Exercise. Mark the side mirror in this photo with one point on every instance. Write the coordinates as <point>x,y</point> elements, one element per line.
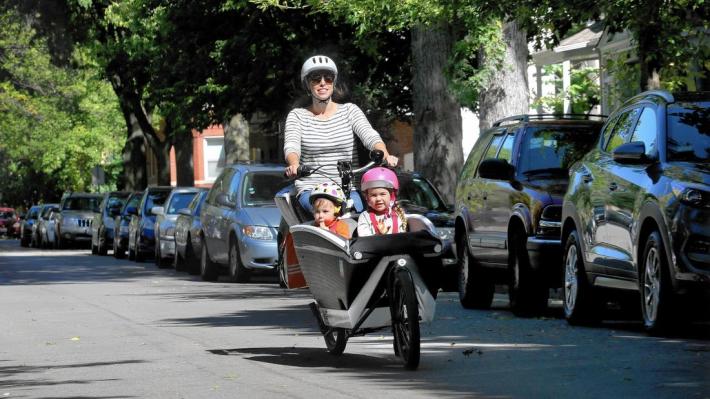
<point>157,210</point>
<point>132,210</point>
<point>496,169</point>
<point>185,211</point>
<point>224,200</point>
<point>633,153</point>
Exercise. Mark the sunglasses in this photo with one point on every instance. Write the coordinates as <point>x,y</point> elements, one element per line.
<point>317,77</point>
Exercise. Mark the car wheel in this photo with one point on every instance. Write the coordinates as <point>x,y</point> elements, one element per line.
<point>655,286</point>
<point>158,254</point>
<point>138,255</point>
<point>579,304</point>
<point>192,263</point>
<point>208,269</point>
<point>118,251</point>
<point>237,272</point>
<point>24,242</point>
<point>101,247</point>
<point>178,262</point>
<point>527,292</point>
<point>475,286</point>
<point>94,248</point>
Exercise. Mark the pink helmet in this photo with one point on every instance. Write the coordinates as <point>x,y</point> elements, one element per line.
<point>379,178</point>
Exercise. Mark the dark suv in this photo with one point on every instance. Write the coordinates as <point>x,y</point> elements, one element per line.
<point>508,207</point>
<point>637,213</point>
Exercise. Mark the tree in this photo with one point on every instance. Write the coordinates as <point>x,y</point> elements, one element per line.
<point>57,116</point>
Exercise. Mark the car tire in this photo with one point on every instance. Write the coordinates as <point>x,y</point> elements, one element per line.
<point>118,252</point>
<point>192,263</point>
<point>578,301</point>
<point>657,298</point>
<point>208,269</point>
<point>138,256</point>
<point>24,242</point>
<point>178,261</point>
<point>476,288</point>
<point>101,247</point>
<point>527,292</point>
<point>237,272</point>
<point>160,261</point>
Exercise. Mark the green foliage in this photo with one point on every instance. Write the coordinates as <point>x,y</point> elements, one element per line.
<point>584,92</point>
<point>56,121</point>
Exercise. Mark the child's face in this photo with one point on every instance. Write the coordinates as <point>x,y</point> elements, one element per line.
<point>323,212</point>
<point>379,199</point>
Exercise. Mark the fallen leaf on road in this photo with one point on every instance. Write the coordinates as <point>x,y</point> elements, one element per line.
<point>75,338</point>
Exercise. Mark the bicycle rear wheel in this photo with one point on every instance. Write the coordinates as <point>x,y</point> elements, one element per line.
<point>405,319</point>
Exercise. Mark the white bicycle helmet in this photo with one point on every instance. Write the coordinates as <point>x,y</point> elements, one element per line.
<point>317,63</point>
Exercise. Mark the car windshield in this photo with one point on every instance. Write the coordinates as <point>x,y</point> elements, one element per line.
<point>115,202</point>
<point>156,198</point>
<point>553,150</point>
<point>260,188</point>
<point>134,201</point>
<point>81,204</point>
<point>689,132</point>
<point>197,202</point>
<point>418,192</point>
<point>47,210</point>
<point>7,215</point>
<point>33,213</point>
<point>179,201</point>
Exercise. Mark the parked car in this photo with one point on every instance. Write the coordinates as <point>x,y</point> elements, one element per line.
<point>121,223</point>
<point>102,224</point>
<point>637,213</point>
<point>508,207</point>
<point>27,224</point>
<point>73,226</point>
<point>43,224</point>
<point>49,237</point>
<point>188,242</point>
<point>240,221</point>
<point>8,218</point>
<point>141,233</point>
<point>165,219</point>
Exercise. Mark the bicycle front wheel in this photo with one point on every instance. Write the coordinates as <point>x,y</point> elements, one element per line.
<point>405,319</point>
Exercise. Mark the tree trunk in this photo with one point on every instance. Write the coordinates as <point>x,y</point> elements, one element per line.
<point>184,165</point>
<point>649,45</point>
<point>134,161</point>
<point>507,94</point>
<point>438,154</point>
<point>236,139</point>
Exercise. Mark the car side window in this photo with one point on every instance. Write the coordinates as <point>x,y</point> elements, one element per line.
<point>493,148</point>
<point>221,185</point>
<point>474,157</point>
<point>506,150</point>
<point>622,128</point>
<point>646,130</point>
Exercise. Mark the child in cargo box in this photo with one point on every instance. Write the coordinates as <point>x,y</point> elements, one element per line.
<point>327,200</point>
<point>383,215</point>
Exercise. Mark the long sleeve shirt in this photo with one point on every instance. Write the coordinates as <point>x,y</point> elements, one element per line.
<point>326,141</point>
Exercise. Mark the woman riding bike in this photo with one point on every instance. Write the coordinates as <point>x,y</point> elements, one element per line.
<point>323,133</point>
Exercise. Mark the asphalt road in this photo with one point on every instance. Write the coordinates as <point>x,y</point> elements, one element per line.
<point>74,325</point>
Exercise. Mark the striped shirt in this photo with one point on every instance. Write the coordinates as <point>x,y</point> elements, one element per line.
<point>326,141</point>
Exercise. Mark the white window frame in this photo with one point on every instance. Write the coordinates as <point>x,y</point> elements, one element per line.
<point>206,142</point>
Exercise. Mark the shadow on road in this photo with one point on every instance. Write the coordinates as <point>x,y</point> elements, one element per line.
<point>13,376</point>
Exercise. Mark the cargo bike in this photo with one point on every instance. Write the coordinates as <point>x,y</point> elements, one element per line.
<point>367,284</point>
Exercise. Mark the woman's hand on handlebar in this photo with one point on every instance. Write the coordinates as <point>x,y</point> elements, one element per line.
<point>391,160</point>
<point>291,171</point>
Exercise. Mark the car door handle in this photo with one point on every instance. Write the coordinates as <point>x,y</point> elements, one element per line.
<point>587,178</point>
<point>613,186</point>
